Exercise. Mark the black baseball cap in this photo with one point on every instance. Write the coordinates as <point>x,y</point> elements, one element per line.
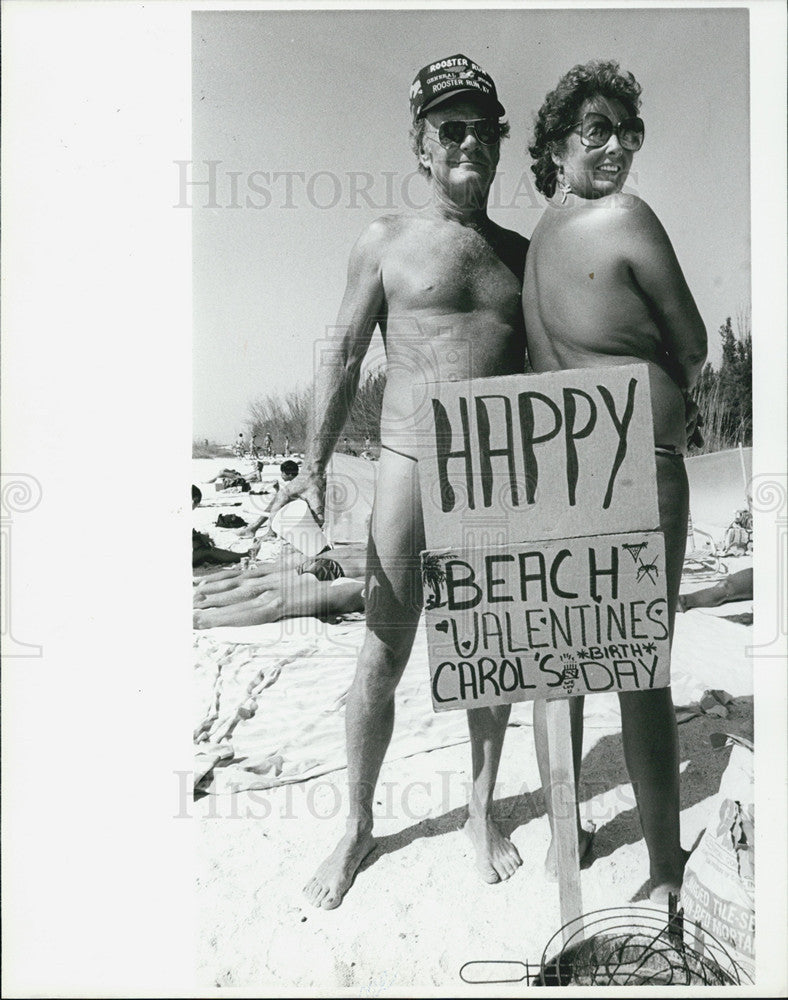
<point>446,78</point>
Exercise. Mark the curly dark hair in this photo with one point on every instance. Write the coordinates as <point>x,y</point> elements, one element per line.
<point>417,130</point>
<point>561,106</point>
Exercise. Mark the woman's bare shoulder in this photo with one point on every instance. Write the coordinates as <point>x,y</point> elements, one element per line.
<point>631,216</point>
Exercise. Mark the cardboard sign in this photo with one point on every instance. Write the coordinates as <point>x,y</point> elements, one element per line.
<point>537,456</point>
<point>547,619</point>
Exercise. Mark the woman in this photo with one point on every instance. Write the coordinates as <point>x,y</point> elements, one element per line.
<point>603,287</point>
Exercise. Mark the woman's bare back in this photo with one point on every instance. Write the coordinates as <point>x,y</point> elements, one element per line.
<point>584,307</point>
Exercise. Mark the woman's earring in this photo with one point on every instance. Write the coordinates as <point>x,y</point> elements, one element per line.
<point>563,186</point>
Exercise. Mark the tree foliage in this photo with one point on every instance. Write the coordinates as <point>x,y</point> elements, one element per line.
<point>285,416</point>
<point>724,397</point>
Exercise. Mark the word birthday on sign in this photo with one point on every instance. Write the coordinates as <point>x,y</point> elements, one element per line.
<point>548,456</point>
<point>546,619</point>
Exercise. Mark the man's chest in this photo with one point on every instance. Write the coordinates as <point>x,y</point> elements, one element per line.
<point>456,276</point>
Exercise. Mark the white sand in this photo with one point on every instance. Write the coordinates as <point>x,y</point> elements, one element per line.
<point>417,910</point>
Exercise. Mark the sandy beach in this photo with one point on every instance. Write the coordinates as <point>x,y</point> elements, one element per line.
<point>418,909</point>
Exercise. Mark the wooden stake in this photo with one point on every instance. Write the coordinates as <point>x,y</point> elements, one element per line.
<point>563,797</point>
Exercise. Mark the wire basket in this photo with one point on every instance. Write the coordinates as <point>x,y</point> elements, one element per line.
<point>621,946</point>
<point>637,946</point>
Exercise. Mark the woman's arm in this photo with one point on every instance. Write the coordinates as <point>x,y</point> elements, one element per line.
<point>648,251</point>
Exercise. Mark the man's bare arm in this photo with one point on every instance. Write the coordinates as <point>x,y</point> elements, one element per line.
<point>338,374</point>
<point>656,270</point>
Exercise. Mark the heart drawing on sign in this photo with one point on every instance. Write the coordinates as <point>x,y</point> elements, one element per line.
<point>466,644</point>
<point>442,626</point>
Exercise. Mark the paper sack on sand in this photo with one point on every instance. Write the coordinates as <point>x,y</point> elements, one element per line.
<point>718,891</point>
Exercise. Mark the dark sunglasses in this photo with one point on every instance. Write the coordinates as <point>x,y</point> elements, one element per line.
<point>596,129</point>
<point>486,130</point>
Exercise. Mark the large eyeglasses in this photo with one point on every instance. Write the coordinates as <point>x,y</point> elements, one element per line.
<point>452,133</point>
<point>596,129</point>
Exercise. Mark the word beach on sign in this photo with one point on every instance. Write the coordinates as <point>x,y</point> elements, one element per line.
<point>546,619</point>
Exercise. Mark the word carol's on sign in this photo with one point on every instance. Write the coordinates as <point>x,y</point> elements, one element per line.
<point>537,456</point>
<point>546,619</point>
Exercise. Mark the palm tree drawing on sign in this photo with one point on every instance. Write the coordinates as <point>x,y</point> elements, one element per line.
<point>433,575</point>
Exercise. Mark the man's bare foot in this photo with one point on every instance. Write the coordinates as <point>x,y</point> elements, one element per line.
<point>584,840</point>
<point>496,856</point>
<point>662,884</point>
<point>334,877</point>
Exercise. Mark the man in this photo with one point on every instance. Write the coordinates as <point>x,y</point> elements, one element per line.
<point>289,471</point>
<point>444,287</point>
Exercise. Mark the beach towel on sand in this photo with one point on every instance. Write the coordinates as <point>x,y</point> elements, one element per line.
<point>298,673</point>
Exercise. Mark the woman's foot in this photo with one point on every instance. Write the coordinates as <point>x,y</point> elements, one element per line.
<point>663,883</point>
<point>585,839</point>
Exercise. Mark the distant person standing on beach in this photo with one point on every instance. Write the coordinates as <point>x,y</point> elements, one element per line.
<point>269,445</point>
<point>444,287</point>
<point>254,454</point>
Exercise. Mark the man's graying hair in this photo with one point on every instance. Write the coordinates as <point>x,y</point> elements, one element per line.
<point>419,127</point>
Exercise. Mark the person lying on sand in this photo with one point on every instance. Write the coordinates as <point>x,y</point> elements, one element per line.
<point>228,479</point>
<point>347,561</point>
<point>204,551</point>
<point>285,560</point>
<point>279,595</point>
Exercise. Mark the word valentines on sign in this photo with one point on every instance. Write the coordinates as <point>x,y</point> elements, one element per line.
<point>543,456</point>
<point>548,619</point>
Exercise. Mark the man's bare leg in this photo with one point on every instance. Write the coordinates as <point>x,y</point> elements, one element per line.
<point>207,585</point>
<point>393,608</point>
<point>496,856</point>
<point>584,837</point>
<point>736,587</point>
<point>262,610</point>
<point>244,590</point>
<point>285,561</point>
<point>294,597</point>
